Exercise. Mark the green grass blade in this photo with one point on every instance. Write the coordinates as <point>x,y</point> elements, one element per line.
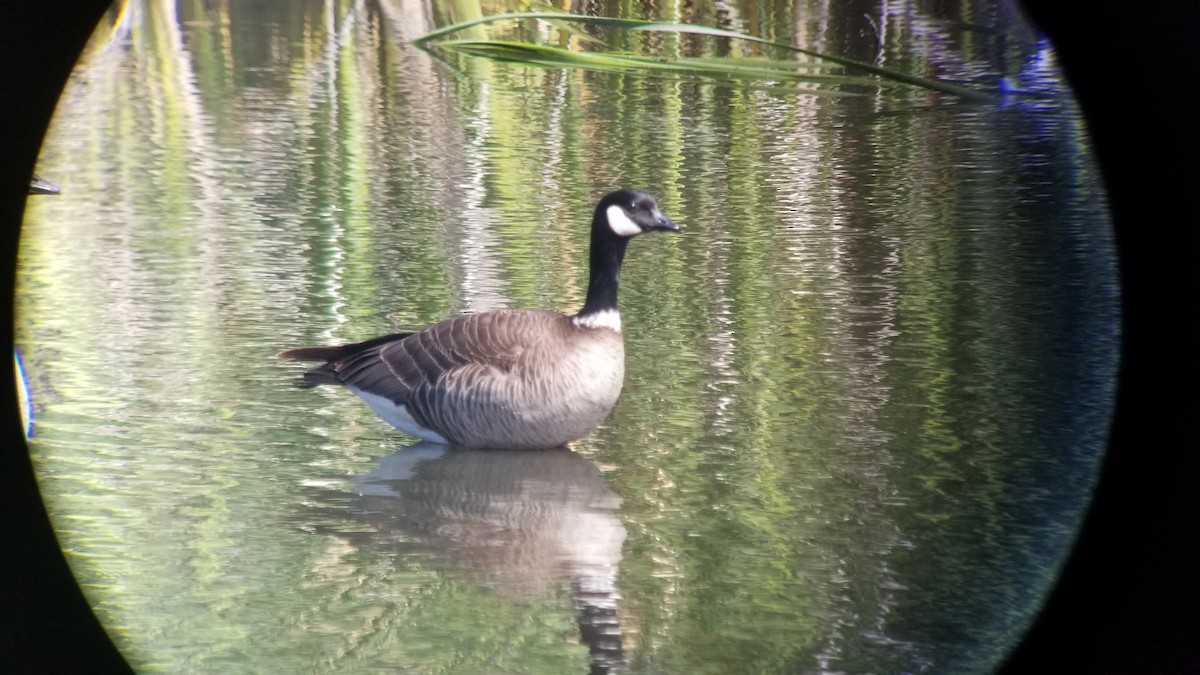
<point>643,25</point>
<point>772,64</point>
<point>552,57</point>
<point>524,52</point>
<point>741,68</point>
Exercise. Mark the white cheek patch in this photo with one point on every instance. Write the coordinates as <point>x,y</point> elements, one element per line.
<point>620,222</point>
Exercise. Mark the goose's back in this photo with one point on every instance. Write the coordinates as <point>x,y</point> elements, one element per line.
<point>508,378</point>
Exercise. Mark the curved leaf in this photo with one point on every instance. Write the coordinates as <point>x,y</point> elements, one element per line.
<point>685,28</point>
<point>543,55</point>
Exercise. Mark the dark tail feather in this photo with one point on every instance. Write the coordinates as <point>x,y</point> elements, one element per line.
<point>327,373</point>
<point>313,354</point>
<point>323,374</point>
<point>338,352</point>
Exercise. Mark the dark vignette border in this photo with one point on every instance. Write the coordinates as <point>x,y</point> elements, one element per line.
<point>1129,597</point>
<point>1128,600</point>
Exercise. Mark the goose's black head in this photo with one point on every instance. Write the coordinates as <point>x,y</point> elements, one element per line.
<point>620,216</point>
<point>627,213</point>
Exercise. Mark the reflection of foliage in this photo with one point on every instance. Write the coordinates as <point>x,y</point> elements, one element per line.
<point>843,434</point>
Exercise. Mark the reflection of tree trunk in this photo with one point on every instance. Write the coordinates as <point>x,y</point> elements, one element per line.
<point>466,223</point>
<point>204,159</point>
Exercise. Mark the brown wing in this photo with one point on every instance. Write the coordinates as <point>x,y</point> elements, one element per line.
<point>408,368</point>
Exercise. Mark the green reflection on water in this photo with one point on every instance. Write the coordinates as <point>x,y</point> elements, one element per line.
<point>867,388</point>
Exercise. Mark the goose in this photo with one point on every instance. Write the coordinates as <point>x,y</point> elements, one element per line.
<point>513,379</point>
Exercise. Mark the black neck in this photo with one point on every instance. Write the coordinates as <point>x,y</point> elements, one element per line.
<point>604,261</point>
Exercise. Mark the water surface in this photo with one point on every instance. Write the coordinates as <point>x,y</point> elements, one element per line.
<point>867,390</point>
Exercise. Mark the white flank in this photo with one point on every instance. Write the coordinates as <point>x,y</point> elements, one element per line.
<point>620,222</point>
<point>397,416</point>
<point>608,318</point>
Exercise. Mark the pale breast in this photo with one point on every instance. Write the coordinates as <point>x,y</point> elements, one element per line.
<point>560,387</point>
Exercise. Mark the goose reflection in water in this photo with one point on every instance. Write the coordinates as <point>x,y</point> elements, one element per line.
<point>521,520</point>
